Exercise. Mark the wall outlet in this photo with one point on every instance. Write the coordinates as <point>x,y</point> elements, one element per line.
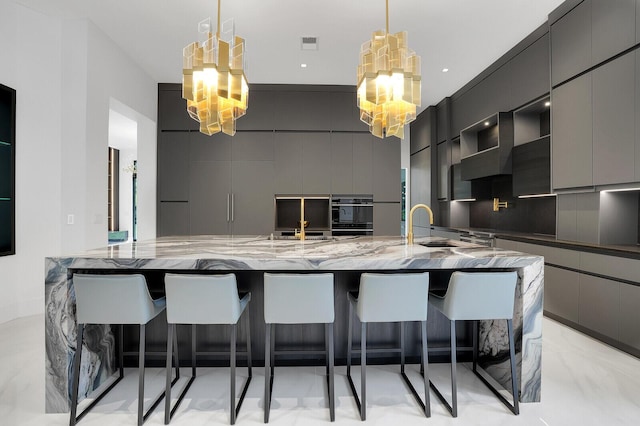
<point>70,219</point>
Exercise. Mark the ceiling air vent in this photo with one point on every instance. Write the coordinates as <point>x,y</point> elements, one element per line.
<point>309,43</point>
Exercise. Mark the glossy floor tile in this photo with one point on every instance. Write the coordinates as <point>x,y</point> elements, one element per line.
<point>584,383</point>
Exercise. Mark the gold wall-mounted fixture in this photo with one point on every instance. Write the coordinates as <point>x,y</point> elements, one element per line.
<point>411,212</point>
<point>213,80</point>
<point>497,204</point>
<point>389,83</point>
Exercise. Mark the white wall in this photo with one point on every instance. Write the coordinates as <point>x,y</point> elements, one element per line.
<point>66,73</point>
<point>30,63</point>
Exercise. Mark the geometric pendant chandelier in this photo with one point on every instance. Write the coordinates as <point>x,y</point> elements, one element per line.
<point>388,83</point>
<point>213,80</point>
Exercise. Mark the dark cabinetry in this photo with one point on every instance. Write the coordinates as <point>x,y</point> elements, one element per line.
<point>7,170</point>
<point>485,147</point>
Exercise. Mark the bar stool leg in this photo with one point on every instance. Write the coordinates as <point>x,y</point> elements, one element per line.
<point>402,327</point>
<point>363,375</point>
<point>193,350</point>
<point>121,349</point>
<point>454,377</point>
<point>167,391</point>
<point>267,372</point>
<point>76,375</point>
<point>232,366</point>
<point>141,375</point>
<point>330,375</point>
<point>249,362</point>
<point>425,369</point>
<point>349,339</point>
<point>475,346</point>
<point>514,376</point>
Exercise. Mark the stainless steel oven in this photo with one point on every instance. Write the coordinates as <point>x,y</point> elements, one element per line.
<point>351,215</point>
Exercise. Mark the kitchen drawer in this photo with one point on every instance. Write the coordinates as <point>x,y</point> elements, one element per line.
<point>615,267</point>
<point>599,305</point>
<point>561,289</point>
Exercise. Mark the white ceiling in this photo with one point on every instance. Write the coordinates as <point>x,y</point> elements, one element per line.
<point>463,35</point>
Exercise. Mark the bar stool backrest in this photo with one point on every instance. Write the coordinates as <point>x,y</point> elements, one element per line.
<point>298,298</point>
<point>480,295</point>
<point>393,297</point>
<point>202,299</point>
<point>113,299</point>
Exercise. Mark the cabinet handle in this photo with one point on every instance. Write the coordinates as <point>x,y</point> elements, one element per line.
<point>233,202</point>
<point>228,207</point>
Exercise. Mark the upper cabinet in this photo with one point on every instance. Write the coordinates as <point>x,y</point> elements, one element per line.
<point>530,72</point>
<point>592,32</point>
<point>485,147</point>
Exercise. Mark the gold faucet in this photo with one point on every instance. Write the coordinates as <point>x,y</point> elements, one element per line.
<point>300,235</point>
<point>497,204</point>
<point>411,212</point>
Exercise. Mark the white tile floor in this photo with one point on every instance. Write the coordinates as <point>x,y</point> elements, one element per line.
<point>584,383</point>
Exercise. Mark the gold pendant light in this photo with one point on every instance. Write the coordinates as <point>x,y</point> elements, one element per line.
<point>388,83</point>
<point>213,80</point>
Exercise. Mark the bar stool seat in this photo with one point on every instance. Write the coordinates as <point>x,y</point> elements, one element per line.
<point>206,299</point>
<point>478,296</point>
<point>113,299</point>
<point>298,299</point>
<point>389,298</point>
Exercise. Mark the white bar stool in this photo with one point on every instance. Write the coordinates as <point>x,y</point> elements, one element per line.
<point>389,298</point>
<point>297,299</point>
<point>113,299</point>
<point>205,299</point>
<point>478,296</point>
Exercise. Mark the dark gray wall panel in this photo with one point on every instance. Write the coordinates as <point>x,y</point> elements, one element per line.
<point>630,315</point>
<point>386,169</point>
<point>172,109</point>
<point>345,114</point>
<point>421,184</point>
<point>209,148</point>
<point>288,163</point>
<point>316,163</point>
<point>209,196</point>
<point>420,132</point>
<point>260,113</point>
<point>587,213</point>
<point>561,289</point>
<point>529,77</point>
<point>599,305</point>
<point>362,163</point>
<point>171,218</point>
<point>297,110</point>
<point>386,219</point>
<point>253,146</point>
<point>253,203</point>
<point>567,217</point>
<point>613,27</point>
<point>173,166</point>
<point>342,163</point>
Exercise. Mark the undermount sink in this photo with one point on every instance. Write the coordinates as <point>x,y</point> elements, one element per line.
<point>308,237</point>
<point>437,244</point>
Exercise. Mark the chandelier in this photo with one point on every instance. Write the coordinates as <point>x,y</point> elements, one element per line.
<point>388,83</point>
<point>213,80</point>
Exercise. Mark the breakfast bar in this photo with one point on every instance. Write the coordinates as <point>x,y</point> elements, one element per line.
<point>250,256</point>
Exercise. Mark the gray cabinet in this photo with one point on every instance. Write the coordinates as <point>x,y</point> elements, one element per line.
<point>637,114</point>
<point>599,305</point>
<point>386,219</point>
<point>613,27</point>
<point>260,113</point>
<point>422,130</point>
<point>210,198</point>
<point>253,146</point>
<point>529,77</point>
<point>302,110</point>
<point>252,208</point>
<point>345,114</point>
<point>572,145</point>
<point>613,121</point>
<point>362,163</point>
<point>386,170</point>
<point>443,173</point>
<point>571,43</point>
<point>316,163</point>
<point>172,109</point>
<point>342,163</point>
<point>173,218</point>
<point>173,166</point>
<point>630,315</point>
<point>421,183</point>
<point>288,162</point>
<point>561,289</point>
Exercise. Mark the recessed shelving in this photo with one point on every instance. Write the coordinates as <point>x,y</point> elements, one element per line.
<point>532,122</point>
<point>485,147</point>
<point>7,170</point>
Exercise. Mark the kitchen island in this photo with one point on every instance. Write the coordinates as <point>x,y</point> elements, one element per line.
<point>250,256</point>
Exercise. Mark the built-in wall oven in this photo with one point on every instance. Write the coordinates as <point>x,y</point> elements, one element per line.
<point>351,215</point>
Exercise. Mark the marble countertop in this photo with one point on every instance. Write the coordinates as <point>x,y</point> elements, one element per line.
<point>262,253</point>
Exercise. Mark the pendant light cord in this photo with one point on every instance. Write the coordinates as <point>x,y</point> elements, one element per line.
<point>387,16</point>
<point>218,27</point>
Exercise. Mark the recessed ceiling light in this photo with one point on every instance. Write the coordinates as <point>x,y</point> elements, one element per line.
<point>547,104</point>
<point>445,69</point>
<point>303,65</point>
<point>486,123</point>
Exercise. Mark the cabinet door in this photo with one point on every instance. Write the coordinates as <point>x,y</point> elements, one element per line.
<point>253,146</point>
<point>172,110</point>
<point>341,163</point>
<point>260,113</point>
<point>288,163</point>
<point>386,219</point>
<point>345,115</point>
<point>386,170</point>
<point>561,289</point>
<point>444,177</point>
<point>302,110</point>
<point>637,111</point>
<point>532,167</point>
<point>529,78</point>
<point>252,210</point>
<point>209,192</point>
<point>572,146</point>
<point>571,43</point>
<point>316,163</point>
<point>420,184</point>
<point>613,121</point>
<point>362,163</point>
<point>613,27</point>
<point>630,315</point>
<point>173,218</point>
<point>173,166</point>
<point>599,305</point>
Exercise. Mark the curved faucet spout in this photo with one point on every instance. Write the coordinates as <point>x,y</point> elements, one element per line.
<point>411,212</point>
